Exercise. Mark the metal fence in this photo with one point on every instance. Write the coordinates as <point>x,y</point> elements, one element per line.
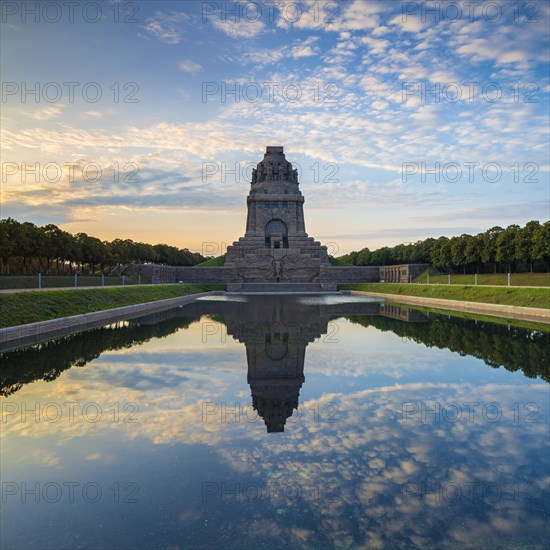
<point>8,282</point>
<point>498,279</point>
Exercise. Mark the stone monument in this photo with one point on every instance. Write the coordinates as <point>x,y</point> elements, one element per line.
<point>276,254</point>
<point>275,247</point>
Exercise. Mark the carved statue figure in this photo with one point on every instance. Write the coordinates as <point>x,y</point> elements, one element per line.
<point>278,264</point>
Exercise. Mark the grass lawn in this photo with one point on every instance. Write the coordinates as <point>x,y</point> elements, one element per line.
<point>57,281</point>
<point>338,262</point>
<point>527,297</point>
<point>516,279</point>
<point>213,262</point>
<point>29,307</point>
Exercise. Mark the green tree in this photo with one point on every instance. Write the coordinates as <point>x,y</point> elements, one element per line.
<point>505,246</point>
<point>122,250</point>
<point>524,243</point>
<point>91,250</point>
<point>489,249</point>
<point>384,256</point>
<point>66,249</point>
<point>458,251</point>
<point>420,253</point>
<point>541,244</point>
<point>10,235</point>
<point>472,251</point>
<point>441,252</point>
<point>50,247</point>
<point>363,257</point>
<point>28,244</point>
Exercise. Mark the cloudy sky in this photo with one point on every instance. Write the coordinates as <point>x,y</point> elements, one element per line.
<point>142,120</point>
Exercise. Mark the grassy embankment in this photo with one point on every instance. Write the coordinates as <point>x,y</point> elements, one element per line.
<point>501,279</point>
<point>527,297</point>
<point>338,262</point>
<point>218,261</point>
<point>28,307</point>
<point>8,282</point>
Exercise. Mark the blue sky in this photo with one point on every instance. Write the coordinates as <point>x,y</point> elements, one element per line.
<point>362,94</point>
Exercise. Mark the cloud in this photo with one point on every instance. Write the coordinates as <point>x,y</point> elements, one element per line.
<point>46,458</point>
<point>167,27</point>
<point>240,28</point>
<point>357,15</point>
<point>303,51</point>
<point>94,114</point>
<point>375,45</point>
<point>379,105</point>
<point>409,23</point>
<point>518,45</point>
<point>189,66</point>
<point>47,113</point>
<point>521,212</point>
<point>425,115</point>
<point>269,56</point>
<point>262,56</point>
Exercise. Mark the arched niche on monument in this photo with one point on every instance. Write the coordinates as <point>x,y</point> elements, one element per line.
<point>276,346</point>
<point>276,234</point>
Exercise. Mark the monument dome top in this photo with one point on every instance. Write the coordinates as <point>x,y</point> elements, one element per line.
<point>274,170</point>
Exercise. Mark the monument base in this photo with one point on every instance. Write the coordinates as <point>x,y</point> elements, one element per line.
<point>281,288</point>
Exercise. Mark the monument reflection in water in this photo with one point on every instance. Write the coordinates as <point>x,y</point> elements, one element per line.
<point>276,333</point>
<point>364,461</point>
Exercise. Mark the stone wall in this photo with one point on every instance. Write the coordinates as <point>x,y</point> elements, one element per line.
<point>328,274</point>
<point>404,273</point>
<point>160,274</point>
<point>157,274</point>
<point>205,274</point>
<point>344,274</point>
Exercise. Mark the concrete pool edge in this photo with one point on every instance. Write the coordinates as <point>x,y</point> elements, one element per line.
<point>32,333</point>
<point>496,310</point>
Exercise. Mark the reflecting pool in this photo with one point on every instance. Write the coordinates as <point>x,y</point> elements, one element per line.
<point>279,422</point>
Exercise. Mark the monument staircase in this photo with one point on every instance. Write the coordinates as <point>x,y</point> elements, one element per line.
<point>280,288</point>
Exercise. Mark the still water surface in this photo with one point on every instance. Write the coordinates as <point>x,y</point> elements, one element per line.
<point>273,422</point>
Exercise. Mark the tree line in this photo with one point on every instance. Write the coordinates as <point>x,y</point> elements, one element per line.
<point>26,248</point>
<point>513,248</point>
